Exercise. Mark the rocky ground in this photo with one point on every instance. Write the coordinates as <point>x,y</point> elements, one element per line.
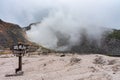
<point>69,67</point>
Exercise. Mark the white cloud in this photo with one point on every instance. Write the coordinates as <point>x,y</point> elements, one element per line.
<point>24,12</point>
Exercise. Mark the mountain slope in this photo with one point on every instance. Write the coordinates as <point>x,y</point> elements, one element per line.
<point>11,34</point>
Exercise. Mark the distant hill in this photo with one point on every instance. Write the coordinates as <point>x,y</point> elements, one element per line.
<point>29,26</point>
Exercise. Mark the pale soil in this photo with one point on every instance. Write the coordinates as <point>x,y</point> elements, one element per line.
<point>54,67</point>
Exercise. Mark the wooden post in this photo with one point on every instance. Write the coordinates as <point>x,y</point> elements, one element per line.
<point>20,62</point>
<point>19,69</point>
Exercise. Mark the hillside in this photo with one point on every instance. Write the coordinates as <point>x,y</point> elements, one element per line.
<point>110,45</point>
<point>11,34</point>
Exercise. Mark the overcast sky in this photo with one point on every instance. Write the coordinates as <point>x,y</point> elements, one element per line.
<point>24,12</point>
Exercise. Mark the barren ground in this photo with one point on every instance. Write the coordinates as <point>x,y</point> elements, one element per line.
<point>69,67</point>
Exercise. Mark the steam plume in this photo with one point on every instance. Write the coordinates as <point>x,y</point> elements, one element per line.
<point>62,30</point>
<point>63,22</point>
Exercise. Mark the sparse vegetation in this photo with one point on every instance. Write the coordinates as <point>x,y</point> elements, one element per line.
<point>115,34</point>
<point>74,60</point>
<point>2,53</point>
<point>5,52</point>
<point>102,61</point>
<point>99,60</point>
<point>112,62</point>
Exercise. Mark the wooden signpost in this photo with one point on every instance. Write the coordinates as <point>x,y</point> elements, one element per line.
<point>19,50</point>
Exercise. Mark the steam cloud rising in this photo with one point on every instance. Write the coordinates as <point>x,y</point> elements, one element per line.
<point>62,23</point>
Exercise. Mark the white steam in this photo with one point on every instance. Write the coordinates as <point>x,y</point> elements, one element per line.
<point>63,22</point>
<point>64,28</point>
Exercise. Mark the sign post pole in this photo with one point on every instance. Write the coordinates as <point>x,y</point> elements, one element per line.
<point>18,50</point>
<point>19,69</point>
<point>20,63</point>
